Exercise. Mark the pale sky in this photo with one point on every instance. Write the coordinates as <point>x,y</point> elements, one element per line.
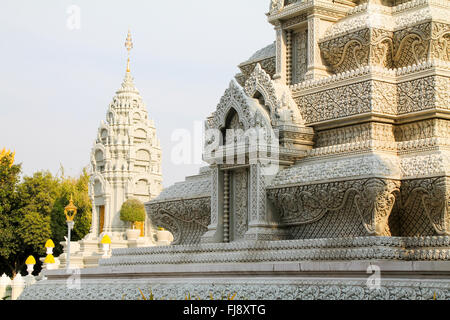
<point>57,83</point>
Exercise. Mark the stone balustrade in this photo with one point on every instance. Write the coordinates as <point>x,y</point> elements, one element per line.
<point>10,289</point>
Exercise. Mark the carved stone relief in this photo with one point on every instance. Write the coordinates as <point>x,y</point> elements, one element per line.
<point>186,219</point>
<point>426,129</point>
<point>411,45</point>
<point>374,204</point>
<point>347,52</point>
<point>405,47</point>
<point>240,203</point>
<point>377,96</point>
<point>373,200</point>
<point>355,134</point>
<point>257,193</point>
<point>293,21</point>
<point>268,65</point>
<point>299,56</point>
<point>429,200</point>
<point>440,41</point>
<point>415,44</point>
<point>336,103</point>
<point>422,94</point>
<point>276,5</point>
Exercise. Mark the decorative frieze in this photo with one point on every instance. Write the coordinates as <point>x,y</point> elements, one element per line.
<point>423,207</point>
<point>377,38</point>
<point>423,165</point>
<point>340,168</point>
<point>411,45</point>
<point>375,96</point>
<point>432,128</point>
<point>245,289</point>
<point>373,200</point>
<point>355,133</point>
<point>336,103</point>
<point>418,43</point>
<point>358,49</point>
<point>309,203</point>
<point>288,23</point>
<point>343,248</point>
<point>384,98</point>
<point>374,71</point>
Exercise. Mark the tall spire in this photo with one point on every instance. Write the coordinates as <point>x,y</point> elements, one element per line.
<point>127,84</point>
<point>129,46</point>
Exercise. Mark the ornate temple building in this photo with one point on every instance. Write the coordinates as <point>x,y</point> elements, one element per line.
<point>125,164</point>
<point>125,159</point>
<point>358,92</point>
<point>328,159</point>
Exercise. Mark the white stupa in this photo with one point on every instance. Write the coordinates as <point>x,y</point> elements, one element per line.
<point>125,163</point>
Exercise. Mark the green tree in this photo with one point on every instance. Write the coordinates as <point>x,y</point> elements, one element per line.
<point>132,211</point>
<point>78,189</point>
<point>32,211</point>
<point>9,179</point>
<point>30,219</point>
<point>38,193</point>
<point>10,241</point>
<point>34,230</point>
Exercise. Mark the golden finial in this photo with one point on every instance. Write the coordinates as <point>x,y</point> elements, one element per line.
<point>129,46</point>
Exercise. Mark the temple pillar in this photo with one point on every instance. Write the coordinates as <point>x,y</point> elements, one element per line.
<point>281,54</point>
<point>316,68</point>
<point>215,228</point>
<point>263,224</point>
<point>107,228</point>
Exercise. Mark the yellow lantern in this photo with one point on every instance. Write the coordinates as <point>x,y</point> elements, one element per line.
<point>70,210</point>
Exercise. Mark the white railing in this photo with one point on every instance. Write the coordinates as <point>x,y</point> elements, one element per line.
<point>10,289</point>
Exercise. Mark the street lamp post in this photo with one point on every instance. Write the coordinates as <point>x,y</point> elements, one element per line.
<point>70,211</point>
